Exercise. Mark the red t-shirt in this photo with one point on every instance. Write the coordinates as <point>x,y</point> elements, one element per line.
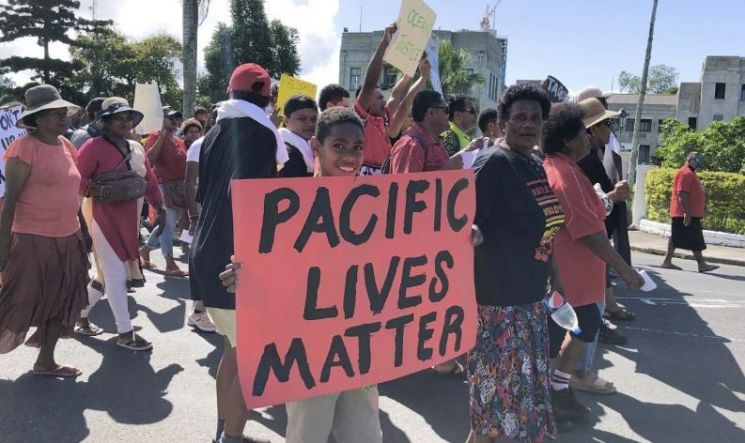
<point>408,155</point>
<point>582,272</point>
<point>377,142</point>
<point>171,165</point>
<point>686,180</point>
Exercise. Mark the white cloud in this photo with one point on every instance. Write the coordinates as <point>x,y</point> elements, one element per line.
<point>318,48</point>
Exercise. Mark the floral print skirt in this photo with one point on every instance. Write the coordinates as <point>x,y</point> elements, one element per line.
<point>509,375</point>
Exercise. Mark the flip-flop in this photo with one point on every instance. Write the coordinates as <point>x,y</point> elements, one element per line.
<point>596,386</point>
<point>708,268</point>
<point>671,266</point>
<point>176,273</point>
<point>620,314</point>
<point>135,343</point>
<point>61,371</point>
<point>91,330</point>
<point>457,371</point>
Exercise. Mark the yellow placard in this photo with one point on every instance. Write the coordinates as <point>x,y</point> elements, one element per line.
<point>289,86</point>
<point>415,22</point>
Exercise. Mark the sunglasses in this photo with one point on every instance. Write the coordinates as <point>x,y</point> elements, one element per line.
<point>473,111</point>
<point>442,108</point>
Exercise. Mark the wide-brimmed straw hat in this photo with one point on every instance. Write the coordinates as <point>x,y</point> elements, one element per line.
<point>43,97</point>
<point>117,105</point>
<point>595,112</point>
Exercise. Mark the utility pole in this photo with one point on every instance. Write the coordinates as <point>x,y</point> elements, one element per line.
<point>640,102</point>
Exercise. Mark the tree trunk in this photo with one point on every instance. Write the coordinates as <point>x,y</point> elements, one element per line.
<point>46,76</point>
<point>190,26</point>
<point>640,102</point>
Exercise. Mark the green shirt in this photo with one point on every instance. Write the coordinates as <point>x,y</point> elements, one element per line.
<point>455,139</point>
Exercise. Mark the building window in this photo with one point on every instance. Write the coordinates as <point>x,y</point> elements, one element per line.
<point>719,90</point>
<point>629,125</point>
<point>493,86</point>
<point>643,154</point>
<point>718,117</point>
<point>354,78</point>
<point>742,93</point>
<point>692,123</point>
<point>645,125</point>
<point>389,78</point>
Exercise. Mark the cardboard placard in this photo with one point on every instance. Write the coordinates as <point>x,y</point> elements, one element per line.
<point>289,86</point>
<point>147,101</point>
<point>8,134</point>
<point>433,55</point>
<point>348,282</point>
<point>415,22</point>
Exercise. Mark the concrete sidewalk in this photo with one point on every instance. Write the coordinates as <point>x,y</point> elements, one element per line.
<point>654,244</point>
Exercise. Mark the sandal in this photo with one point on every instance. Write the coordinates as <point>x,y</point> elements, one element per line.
<point>457,371</point>
<point>620,314</point>
<point>596,386</point>
<point>61,371</point>
<point>134,343</point>
<point>136,283</point>
<point>88,329</point>
<point>176,273</point>
<point>708,268</point>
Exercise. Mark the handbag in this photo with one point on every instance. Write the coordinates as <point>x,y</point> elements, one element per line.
<point>174,194</point>
<point>117,186</point>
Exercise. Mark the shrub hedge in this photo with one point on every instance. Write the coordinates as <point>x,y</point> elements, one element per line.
<point>725,197</point>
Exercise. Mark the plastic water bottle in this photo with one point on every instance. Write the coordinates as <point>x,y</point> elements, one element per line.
<point>563,313</point>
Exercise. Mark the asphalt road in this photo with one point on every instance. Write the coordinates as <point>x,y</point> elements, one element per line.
<point>680,378</point>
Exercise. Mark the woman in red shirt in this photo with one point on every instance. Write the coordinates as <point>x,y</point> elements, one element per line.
<point>581,246</point>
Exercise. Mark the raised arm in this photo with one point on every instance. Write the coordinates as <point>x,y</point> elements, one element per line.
<point>374,69</point>
<point>400,114</point>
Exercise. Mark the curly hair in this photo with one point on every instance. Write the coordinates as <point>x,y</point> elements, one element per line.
<point>522,92</point>
<point>332,93</point>
<point>564,123</point>
<point>335,116</point>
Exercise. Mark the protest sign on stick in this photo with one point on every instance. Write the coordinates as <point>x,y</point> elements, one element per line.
<point>415,22</point>
<point>147,101</point>
<point>8,134</point>
<point>556,90</point>
<point>433,55</point>
<point>289,86</point>
<point>348,282</point>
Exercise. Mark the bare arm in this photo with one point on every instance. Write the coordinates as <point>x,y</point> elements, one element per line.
<point>16,175</point>
<point>375,68</point>
<point>399,92</point>
<point>400,114</point>
<point>600,246</point>
<point>154,150</point>
<point>190,182</point>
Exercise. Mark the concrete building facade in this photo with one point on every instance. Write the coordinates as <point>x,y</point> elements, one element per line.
<point>488,56</point>
<point>719,95</point>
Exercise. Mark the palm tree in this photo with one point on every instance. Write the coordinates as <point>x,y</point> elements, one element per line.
<point>640,102</point>
<point>194,13</point>
<point>455,77</point>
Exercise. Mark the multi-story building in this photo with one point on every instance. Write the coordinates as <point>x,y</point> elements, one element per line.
<point>488,57</point>
<point>657,107</point>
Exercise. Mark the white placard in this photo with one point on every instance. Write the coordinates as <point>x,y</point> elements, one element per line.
<point>433,55</point>
<point>8,134</point>
<point>147,101</point>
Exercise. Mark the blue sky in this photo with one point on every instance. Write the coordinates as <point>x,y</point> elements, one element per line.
<point>580,42</point>
<point>585,42</point>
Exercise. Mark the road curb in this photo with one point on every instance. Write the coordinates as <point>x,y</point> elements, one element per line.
<point>689,256</point>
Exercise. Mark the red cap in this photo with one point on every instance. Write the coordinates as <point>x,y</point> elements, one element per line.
<point>246,75</point>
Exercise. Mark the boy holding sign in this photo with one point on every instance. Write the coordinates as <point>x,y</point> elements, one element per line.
<point>352,416</point>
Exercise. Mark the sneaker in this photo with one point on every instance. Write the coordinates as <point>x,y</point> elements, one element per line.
<point>201,321</point>
<point>566,406</point>
<point>609,336</point>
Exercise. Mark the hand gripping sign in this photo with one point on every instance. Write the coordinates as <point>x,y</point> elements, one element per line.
<point>349,282</point>
<point>415,22</point>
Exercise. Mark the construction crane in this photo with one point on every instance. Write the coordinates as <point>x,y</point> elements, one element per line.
<point>490,16</point>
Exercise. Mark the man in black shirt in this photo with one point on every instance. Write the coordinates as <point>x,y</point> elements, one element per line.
<point>242,144</point>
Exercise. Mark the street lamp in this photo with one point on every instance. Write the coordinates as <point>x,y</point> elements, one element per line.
<point>622,114</point>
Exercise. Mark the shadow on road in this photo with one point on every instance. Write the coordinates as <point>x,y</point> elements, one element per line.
<point>672,344</point>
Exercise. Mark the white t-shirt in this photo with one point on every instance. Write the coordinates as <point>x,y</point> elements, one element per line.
<point>192,154</point>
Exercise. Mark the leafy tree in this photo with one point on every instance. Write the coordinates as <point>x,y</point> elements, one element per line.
<point>662,79</point>
<point>48,21</point>
<point>454,76</point>
<point>112,65</point>
<point>721,143</point>
<point>250,38</point>
<point>285,57</point>
<point>219,62</point>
